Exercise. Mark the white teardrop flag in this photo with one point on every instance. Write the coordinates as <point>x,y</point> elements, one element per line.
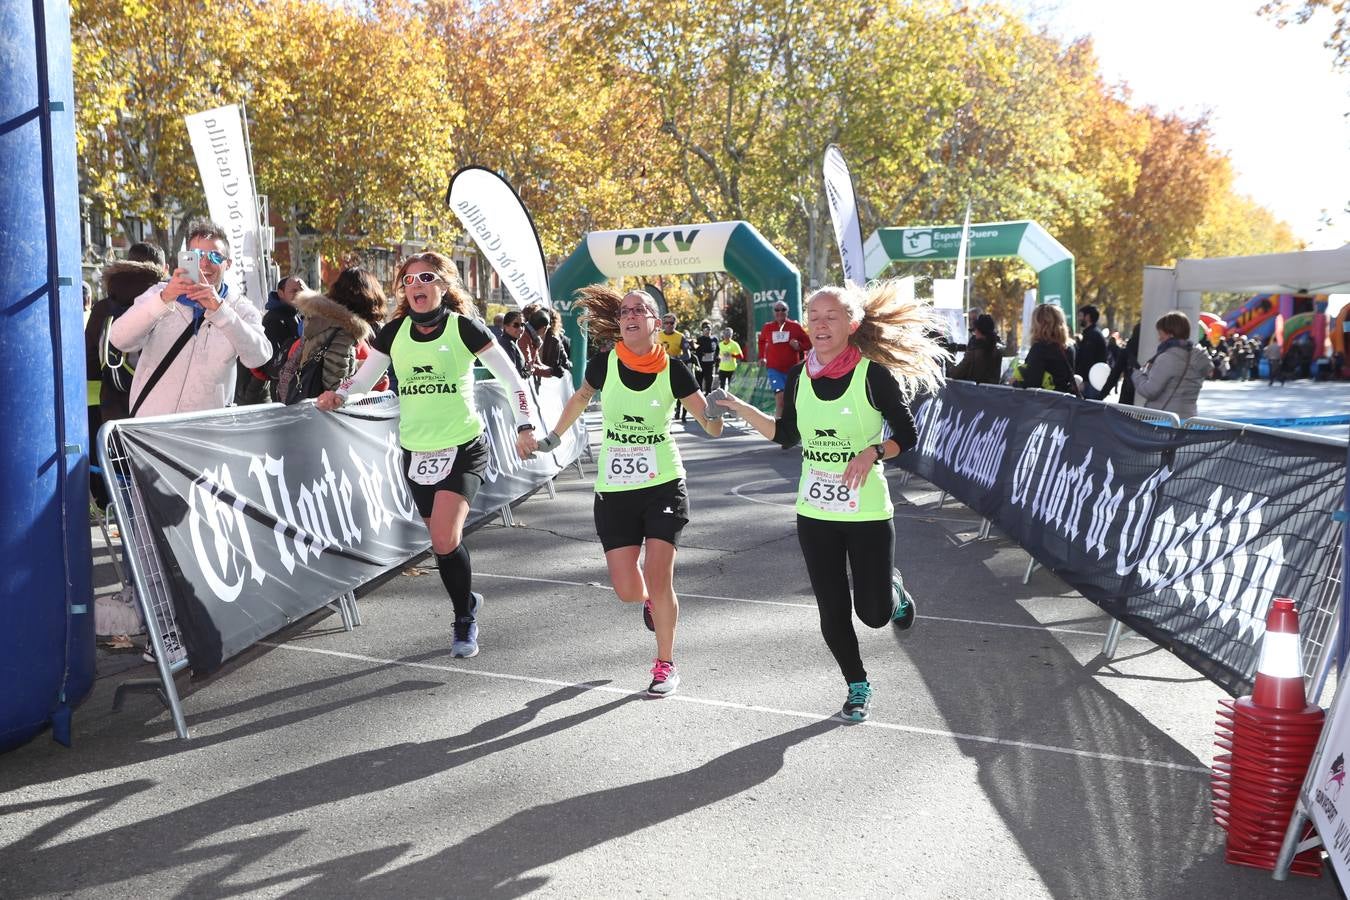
<point>844,214</point>
<point>494,216</point>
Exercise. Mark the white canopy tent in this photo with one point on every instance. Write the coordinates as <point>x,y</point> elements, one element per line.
<point>1179,288</point>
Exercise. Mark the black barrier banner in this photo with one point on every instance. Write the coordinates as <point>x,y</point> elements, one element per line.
<point>1184,535</point>
<point>262,516</point>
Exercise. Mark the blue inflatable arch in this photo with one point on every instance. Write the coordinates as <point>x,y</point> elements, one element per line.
<point>47,644</point>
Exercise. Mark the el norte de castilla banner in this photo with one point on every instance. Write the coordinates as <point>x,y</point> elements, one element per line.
<point>1184,535</point>
<point>261,516</point>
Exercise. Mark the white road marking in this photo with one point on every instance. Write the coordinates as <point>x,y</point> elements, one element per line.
<point>743,707</point>
<point>1099,635</point>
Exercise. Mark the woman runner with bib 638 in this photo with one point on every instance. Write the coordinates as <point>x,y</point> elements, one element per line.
<point>835,404</point>
<point>640,495</point>
<point>432,341</point>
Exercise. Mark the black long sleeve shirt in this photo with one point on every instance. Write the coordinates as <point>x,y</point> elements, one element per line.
<point>883,393</point>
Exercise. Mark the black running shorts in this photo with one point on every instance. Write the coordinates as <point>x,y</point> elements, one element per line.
<point>465,476</point>
<point>627,518</point>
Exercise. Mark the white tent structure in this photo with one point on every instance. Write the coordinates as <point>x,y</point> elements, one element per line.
<point>1179,288</point>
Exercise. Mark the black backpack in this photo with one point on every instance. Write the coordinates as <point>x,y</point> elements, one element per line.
<point>303,382</point>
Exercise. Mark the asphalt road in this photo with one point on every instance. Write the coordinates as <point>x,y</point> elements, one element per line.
<point>1005,757</point>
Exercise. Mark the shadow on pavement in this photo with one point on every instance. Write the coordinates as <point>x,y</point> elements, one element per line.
<point>1090,827</point>
<point>36,866</point>
<point>493,863</point>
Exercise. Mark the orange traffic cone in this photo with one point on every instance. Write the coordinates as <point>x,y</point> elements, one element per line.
<point>1269,738</point>
<point>1279,674</point>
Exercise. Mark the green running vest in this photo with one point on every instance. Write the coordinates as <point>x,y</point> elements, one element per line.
<point>435,389</point>
<point>637,450</point>
<point>833,433</point>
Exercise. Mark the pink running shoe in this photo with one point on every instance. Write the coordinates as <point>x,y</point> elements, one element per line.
<point>665,679</point>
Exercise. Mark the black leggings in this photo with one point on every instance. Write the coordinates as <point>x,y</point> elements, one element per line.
<point>723,377</point>
<point>831,550</point>
<point>705,376</point>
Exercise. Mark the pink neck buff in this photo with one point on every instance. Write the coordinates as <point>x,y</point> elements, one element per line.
<point>838,367</point>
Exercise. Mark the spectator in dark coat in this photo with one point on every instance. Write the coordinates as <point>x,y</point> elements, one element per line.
<point>282,326</point>
<point>1049,353</point>
<point>1123,371</point>
<point>108,369</point>
<point>123,282</point>
<point>513,328</point>
<point>1091,349</point>
<point>983,362</point>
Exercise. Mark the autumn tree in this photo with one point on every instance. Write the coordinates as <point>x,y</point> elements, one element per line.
<point>549,109</point>
<point>353,123</point>
<point>139,69</point>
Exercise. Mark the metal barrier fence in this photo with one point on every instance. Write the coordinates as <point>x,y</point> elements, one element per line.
<point>147,568</point>
<point>1320,627</point>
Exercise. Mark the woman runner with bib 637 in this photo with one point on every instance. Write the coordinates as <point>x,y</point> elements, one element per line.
<point>640,495</point>
<point>432,341</point>
<point>835,404</point>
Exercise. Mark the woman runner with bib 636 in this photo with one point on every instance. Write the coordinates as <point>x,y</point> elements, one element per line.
<point>640,495</point>
<point>835,404</point>
<point>432,341</point>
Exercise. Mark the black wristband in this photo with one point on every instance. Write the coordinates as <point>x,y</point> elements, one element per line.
<point>521,429</point>
<point>881,450</point>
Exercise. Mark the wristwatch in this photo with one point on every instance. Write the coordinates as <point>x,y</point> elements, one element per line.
<point>881,451</point>
<point>521,429</point>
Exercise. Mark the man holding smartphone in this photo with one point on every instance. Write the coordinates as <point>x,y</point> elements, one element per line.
<point>191,331</point>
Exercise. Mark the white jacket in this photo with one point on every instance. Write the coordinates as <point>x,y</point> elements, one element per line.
<point>202,375</point>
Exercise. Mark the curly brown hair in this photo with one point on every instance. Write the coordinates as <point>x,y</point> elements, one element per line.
<point>360,291</point>
<point>599,305</point>
<point>455,297</point>
<point>894,331</point>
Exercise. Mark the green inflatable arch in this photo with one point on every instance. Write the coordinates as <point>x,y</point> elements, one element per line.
<point>732,247</point>
<point>1027,241</point>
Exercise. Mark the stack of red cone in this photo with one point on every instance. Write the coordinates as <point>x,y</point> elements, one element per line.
<point>1266,743</point>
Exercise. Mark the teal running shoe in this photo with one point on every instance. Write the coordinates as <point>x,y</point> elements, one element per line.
<point>905,608</point>
<point>858,706</point>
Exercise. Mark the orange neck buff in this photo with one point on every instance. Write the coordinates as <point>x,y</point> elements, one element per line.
<point>653,361</point>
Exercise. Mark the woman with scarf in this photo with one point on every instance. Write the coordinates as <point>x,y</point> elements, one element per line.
<point>1172,379</point>
<point>432,342</point>
<point>640,495</point>
<point>850,411</point>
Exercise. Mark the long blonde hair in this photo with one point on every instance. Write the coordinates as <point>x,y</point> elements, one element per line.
<point>456,297</point>
<point>1048,324</point>
<point>599,305</point>
<point>895,332</point>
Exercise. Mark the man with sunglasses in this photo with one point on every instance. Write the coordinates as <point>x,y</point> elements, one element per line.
<point>191,334</point>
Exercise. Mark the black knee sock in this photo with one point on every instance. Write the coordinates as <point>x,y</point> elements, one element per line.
<point>457,575</point>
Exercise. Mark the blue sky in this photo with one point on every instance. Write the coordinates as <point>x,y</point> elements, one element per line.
<point>1277,107</point>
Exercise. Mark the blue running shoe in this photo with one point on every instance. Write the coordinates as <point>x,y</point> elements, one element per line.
<point>905,608</point>
<point>858,706</point>
<point>465,643</point>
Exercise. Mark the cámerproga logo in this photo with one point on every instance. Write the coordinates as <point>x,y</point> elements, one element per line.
<point>426,380</point>
<point>827,432</point>
<point>636,420</point>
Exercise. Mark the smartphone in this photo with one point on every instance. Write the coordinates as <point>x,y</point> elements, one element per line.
<point>189,262</point>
